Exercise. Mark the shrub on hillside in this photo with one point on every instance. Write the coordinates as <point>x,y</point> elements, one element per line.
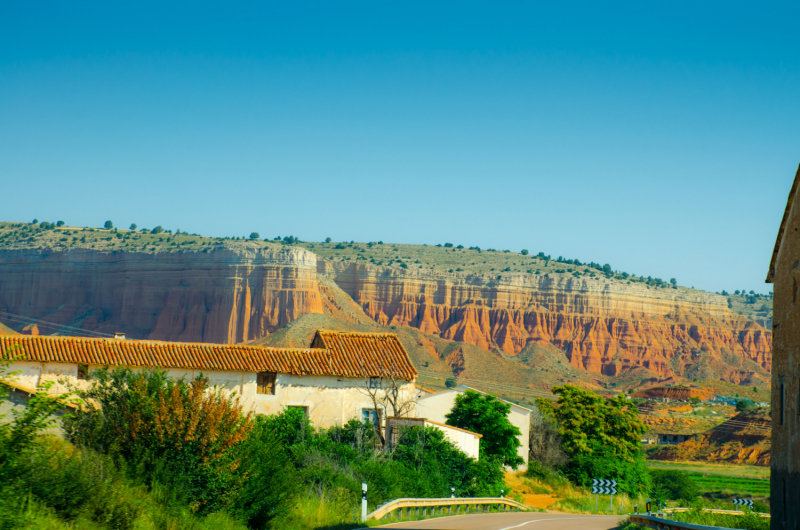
<point>672,484</point>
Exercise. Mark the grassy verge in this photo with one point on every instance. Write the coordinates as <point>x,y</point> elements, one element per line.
<point>724,482</point>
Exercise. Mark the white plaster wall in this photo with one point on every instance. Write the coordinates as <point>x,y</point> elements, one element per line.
<point>436,406</point>
<point>26,373</point>
<point>467,442</point>
<point>330,400</point>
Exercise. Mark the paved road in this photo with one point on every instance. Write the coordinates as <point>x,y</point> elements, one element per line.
<point>515,521</point>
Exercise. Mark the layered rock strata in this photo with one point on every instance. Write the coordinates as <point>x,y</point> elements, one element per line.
<point>603,327</point>
<point>225,295</point>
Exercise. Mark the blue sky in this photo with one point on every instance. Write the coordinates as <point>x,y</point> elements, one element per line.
<point>660,138</point>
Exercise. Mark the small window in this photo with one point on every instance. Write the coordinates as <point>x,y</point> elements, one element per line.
<point>266,383</point>
<point>303,408</point>
<point>83,372</point>
<point>374,382</point>
<point>371,416</point>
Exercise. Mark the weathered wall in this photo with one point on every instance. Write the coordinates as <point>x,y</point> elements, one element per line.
<point>223,296</point>
<point>604,327</point>
<point>785,463</point>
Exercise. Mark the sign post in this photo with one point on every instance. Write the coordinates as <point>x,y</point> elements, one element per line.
<point>363,502</point>
<point>452,493</point>
<point>607,487</point>
<point>743,502</point>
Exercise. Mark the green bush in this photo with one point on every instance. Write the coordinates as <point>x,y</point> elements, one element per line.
<point>188,438</point>
<point>673,484</point>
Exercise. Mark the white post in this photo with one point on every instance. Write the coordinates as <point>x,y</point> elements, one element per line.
<point>363,502</point>
<point>452,493</point>
<point>501,494</point>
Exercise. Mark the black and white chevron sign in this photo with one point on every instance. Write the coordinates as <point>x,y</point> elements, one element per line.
<point>603,482</point>
<point>743,502</point>
<point>604,490</point>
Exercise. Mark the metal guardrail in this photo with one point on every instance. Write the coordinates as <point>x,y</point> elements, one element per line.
<point>716,510</point>
<point>665,524</point>
<point>428,506</point>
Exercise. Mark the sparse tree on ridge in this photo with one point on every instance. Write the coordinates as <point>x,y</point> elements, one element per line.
<point>108,225</point>
<point>673,281</point>
<point>254,235</point>
<point>524,252</point>
<point>327,240</point>
<point>132,227</point>
<point>60,223</point>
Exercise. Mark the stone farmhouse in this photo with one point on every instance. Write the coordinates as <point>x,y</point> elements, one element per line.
<point>784,274</point>
<point>342,375</point>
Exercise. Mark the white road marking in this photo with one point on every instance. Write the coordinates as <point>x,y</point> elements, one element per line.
<point>540,520</point>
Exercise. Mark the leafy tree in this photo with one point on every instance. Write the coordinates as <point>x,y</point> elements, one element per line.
<point>254,235</point>
<point>673,281</point>
<point>602,437</point>
<point>35,221</point>
<point>132,227</point>
<point>487,415</point>
<point>59,223</point>
<point>448,245</point>
<point>450,382</point>
<point>157,230</point>
<point>327,240</point>
<point>673,485</point>
<point>108,225</point>
<point>736,291</point>
<point>607,268</point>
<point>744,405</point>
<point>755,389</point>
<point>524,252</point>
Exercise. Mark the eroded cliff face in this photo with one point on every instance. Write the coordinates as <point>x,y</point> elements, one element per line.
<point>603,327</point>
<point>225,295</point>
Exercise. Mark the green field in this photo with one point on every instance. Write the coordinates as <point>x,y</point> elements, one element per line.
<point>723,480</point>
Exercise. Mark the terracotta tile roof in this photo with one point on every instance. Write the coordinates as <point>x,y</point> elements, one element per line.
<point>145,353</point>
<point>379,354</point>
<point>774,261</point>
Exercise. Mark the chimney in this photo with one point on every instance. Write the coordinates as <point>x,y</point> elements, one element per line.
<point>119,335</point>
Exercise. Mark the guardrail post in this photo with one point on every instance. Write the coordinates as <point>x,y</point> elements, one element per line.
<point>363,502</point>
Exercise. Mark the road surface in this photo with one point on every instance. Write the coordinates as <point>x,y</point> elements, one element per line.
<point>513,521</point>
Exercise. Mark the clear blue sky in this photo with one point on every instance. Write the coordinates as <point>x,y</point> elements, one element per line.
<point>659,137</point>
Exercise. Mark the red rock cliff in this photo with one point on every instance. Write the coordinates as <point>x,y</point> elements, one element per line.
<point>227,295</point>
<point>604,327</point>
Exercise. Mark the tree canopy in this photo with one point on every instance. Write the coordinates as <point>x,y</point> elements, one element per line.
<point>487,415</point>
<point>601,436</point>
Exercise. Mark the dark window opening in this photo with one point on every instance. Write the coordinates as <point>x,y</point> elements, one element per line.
<point>371,416</point>
<point>374,382</point>
<point>266,383</point>
<point>83,372</point>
